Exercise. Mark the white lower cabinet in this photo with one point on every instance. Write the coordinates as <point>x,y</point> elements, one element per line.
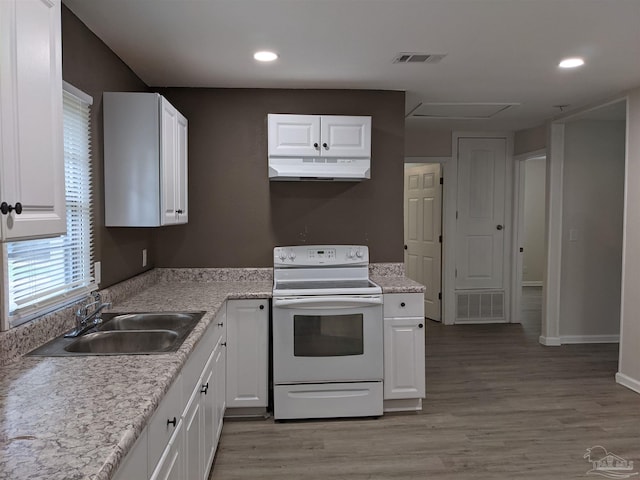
<point>404,354</point>
<point>182,436</point>
<point>247,353</point>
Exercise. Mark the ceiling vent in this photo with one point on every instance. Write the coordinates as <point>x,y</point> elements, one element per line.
<point>413,57</point>
<point>459,111</point>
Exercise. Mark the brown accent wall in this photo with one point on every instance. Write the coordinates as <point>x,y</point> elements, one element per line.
<point>88,64</point>
<point>236,216</point>
<point>420,142</point>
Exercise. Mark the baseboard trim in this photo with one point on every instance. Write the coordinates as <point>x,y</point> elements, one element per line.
<point>549,341</point>
<point>533,283</point>
<point>568,339</point>
<point>627,381</point>
<point>481,321</point>
<point>403,405</point>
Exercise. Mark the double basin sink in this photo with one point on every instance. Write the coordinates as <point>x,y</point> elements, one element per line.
<point>127,334</point>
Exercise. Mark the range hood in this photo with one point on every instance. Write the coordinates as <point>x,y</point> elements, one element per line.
<point>319,169</point>
<point>319,147</point>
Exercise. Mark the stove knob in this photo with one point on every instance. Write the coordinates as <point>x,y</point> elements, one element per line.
<point>283,255</point>
<point>359,253</point>
<point>292,255</point>
<point>350,254</point>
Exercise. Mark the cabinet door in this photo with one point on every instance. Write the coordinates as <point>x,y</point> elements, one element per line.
<point>194,437</point>
<point>209,389</point>
<point>294,135</point>
<point>168,162</point>
<point>220,374</point>
<point>182,155</point>
<point>247,353</point>
<point>172,465</point>
<point>31,141</point>
<point>404,358</point>
<point>344,136</point>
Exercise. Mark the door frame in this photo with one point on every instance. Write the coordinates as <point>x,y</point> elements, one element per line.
<point>449,206</point>
<point>518,231</point>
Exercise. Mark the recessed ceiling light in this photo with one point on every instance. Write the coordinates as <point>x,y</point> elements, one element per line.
<point>571,62</point>
<point>265,56</point>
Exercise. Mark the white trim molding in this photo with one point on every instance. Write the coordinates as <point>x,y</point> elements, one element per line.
<point>533,283</point>
<point>568,339</point>
<point>626,381</point>
<point>549,341</point>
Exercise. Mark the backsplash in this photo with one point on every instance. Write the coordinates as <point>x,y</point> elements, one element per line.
<point>386,269</point>
<point>214,274</point>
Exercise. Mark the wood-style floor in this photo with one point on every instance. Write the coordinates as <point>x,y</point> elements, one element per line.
<point>499,406</point>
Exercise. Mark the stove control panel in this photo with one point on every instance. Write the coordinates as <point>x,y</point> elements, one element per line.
<point>320,255</point>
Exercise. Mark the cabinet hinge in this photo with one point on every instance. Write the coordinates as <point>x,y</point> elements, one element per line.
<point>441,181</point>
<point>439,295</point>
<point>440,238</point>
<point>456,214</point>
<point>456,273</point>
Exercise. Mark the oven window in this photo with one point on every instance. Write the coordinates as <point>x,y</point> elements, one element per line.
<point>327,335</point>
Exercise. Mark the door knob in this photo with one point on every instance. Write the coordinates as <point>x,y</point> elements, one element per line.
<point>6,208</point>
<point>499,227</point>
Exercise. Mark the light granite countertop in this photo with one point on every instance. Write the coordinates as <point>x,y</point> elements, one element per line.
<point>397,284</point>
<point>73,418</point>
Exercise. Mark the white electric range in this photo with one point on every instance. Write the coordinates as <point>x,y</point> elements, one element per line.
<point>327,333</point>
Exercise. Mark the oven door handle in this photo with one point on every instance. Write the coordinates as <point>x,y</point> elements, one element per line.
<point>327,302</point>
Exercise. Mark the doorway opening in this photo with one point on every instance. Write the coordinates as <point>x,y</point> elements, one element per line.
<point>530,241</point>
<point>423,232</point>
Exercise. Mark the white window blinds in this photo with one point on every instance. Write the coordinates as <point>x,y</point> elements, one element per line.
<point>43,274</point>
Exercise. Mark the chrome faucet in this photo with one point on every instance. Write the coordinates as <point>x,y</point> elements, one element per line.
<point>85,321</point>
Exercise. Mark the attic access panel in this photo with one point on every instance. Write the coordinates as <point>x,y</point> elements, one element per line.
<point>459,111</point>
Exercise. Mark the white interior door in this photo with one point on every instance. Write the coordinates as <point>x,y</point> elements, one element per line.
<point>422,228</point>
<point>480,213</point>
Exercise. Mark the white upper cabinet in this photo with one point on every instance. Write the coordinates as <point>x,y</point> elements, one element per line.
<point>31,142</point>
<point>319,135</point>
<point>145,161</point>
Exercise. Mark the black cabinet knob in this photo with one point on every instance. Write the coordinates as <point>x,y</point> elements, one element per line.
<point>405,247</point>
<point>261,307</point>
<point>221,324</point>
<point>499,227</point>
<point>402,304</point>
<point>420,325</point>
<point>204,388</point>
<point>5,208</point>
<point>179,211</point>
<point>315,145</point>
<point>172,422</point>
<point>325,146</point>
<point>224,344</point>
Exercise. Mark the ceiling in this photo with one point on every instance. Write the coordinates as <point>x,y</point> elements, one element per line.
<point>498,52</point>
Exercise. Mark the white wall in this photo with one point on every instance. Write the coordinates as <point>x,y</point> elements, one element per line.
<point>533,258</point>
<point>629,366</point>
<point>593,190</point>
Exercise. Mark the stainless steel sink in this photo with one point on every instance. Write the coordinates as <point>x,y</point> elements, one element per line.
<point>149,321</point>
<point>127,334</point>
<point>132,341</point>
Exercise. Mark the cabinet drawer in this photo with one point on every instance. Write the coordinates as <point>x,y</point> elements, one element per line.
<point>159,430</point>
<point>403,305</point>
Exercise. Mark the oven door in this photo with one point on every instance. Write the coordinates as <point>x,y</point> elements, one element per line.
<point>335,338</point>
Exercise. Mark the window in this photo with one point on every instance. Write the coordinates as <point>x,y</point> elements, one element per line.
<point>47,273</point>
